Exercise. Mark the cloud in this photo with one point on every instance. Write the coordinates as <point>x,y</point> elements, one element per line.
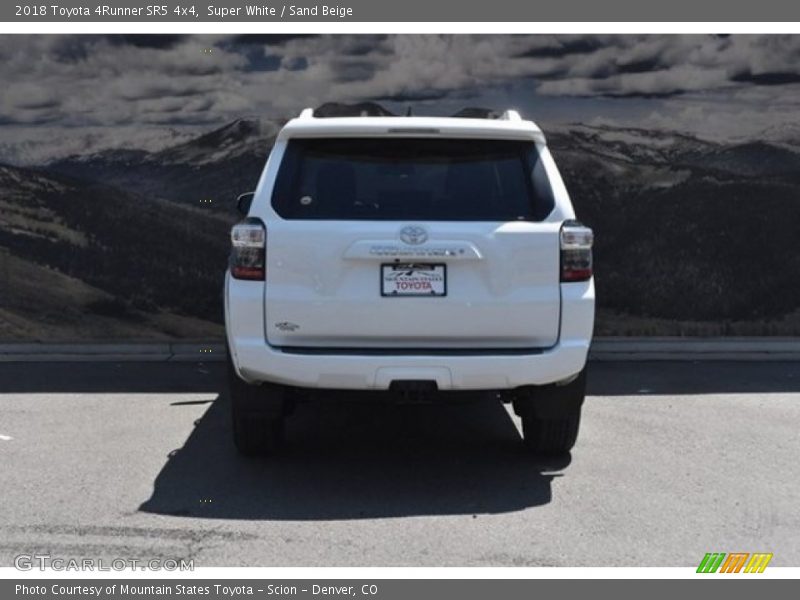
<point>769,78</point>
<point>662,83</point>
<point>561,46</point>
<point>159,41</point>
<point>30,96</point>
<point>122,80</point>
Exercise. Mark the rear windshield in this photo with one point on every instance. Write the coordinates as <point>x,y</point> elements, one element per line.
<point>412,179</point>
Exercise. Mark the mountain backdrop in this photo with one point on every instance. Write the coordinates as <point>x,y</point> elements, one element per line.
<point>693,237</point>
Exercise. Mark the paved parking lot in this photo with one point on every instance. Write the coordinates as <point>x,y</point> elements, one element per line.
<point>134,460</point>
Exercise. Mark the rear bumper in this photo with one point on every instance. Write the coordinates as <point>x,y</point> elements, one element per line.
<point>259,362</point>
<point>256,361</point>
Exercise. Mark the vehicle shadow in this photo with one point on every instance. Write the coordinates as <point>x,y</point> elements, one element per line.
<point>346,460</point>
<point>351,461</point>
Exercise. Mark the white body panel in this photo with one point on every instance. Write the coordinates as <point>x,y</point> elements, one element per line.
<point>505,293</point>
<point>256,360</point>
<point>320,320</point>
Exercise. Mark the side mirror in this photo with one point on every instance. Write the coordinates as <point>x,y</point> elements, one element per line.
<point>243,202</point>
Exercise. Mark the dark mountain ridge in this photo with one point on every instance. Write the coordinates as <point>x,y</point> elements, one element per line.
<point>676,218</point>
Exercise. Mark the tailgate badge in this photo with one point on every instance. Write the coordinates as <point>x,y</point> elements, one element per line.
<point>413,235</point>
<point>287,326</point>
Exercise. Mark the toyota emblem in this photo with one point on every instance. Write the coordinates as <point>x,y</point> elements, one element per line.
<point>413,235</point>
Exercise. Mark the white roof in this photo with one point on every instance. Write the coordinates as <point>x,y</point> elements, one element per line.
<point>508,126</point>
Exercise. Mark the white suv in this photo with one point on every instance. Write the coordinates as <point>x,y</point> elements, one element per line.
<point>411,255</point>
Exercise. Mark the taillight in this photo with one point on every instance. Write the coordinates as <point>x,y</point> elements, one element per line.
<point>576,251</point>
<point>249,249</point>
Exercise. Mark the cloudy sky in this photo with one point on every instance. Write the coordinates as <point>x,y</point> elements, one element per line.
<point>134,90</point>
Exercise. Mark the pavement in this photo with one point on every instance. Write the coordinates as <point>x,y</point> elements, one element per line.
<point>134,460</point>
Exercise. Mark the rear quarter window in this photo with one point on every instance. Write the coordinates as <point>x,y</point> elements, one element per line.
<point>412,179</point>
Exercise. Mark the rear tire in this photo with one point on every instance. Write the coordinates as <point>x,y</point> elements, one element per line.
<point>550,437</point>
<point>551,416</point>
<point>257,413</point>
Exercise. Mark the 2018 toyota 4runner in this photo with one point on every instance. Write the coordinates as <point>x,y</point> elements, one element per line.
<point>409,255</point>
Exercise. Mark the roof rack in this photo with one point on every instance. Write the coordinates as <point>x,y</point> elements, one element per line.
<point>468,113</point>
<point>510,115</point>
<point>487,113</point>
<point>334,109</point>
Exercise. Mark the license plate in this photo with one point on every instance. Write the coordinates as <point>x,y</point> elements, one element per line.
<point>413,279</point>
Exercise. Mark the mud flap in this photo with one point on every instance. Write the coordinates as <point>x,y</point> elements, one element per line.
<point>551,401</point>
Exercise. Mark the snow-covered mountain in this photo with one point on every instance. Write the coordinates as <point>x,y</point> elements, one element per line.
<point>209,169</point>
<point>644,157</point>
<point>786,135</point>
<point>241,137</point>
<point>30,146</point>
<point>640,146</point>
